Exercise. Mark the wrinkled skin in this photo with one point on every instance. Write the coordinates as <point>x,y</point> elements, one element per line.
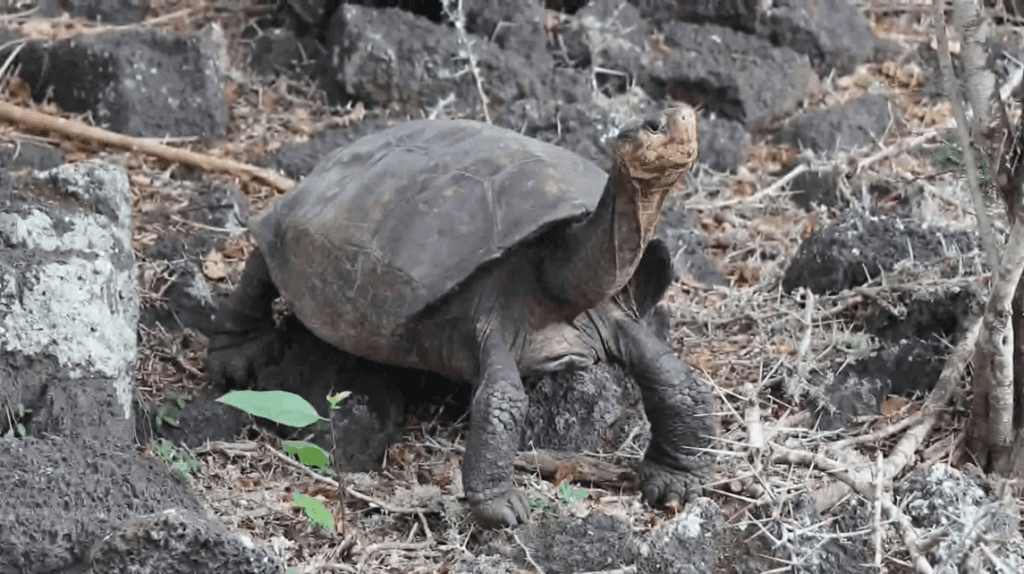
<point>568,298</point>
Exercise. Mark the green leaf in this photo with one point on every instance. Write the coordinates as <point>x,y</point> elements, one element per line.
<point>570,495</point>
<point>163,449</point>
<point>308,453</point>
<point>335,399</point>
<point>279,406</point>
<point>316,511</point>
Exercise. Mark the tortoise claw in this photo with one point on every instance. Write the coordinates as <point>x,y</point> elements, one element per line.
<point>505,510</point>
<point>667,487</point>
<point>235,359</point>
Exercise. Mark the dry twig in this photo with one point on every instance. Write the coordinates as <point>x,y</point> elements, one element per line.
<point>74,129</point>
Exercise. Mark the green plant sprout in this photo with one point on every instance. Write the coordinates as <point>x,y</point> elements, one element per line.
<point>182,466</point>
<point>570,495</point>
<point>949,155</point>
<point>538,505</point>
<point>292,410</point>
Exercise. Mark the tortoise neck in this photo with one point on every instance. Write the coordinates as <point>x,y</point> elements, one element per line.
<point>598,255</point>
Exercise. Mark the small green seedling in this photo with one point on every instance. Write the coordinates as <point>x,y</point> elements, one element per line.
<point>182,466</point>
<point>570,495</point>
<point>167,415</point>
<point>292,410</point>
<point>308,454</point>
<point>334,400</point>
<point>315,511</point>
<point>952,156</point>
<point>281,407</point>
<point>16,425</point>
<point>538,505</point>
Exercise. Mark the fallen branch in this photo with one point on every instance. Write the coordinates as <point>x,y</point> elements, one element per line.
<point>76,130</point>
<point>575,467</point>
<point>949,380</point>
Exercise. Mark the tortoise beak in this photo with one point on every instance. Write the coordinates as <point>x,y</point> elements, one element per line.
<point>681,125</point>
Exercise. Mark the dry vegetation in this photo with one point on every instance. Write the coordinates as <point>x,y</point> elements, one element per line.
<point>757,346</point>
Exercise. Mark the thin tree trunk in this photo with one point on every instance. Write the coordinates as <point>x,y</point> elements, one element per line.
<point>999,356</point>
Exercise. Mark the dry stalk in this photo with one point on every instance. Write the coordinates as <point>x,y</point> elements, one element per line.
<point>947,384</point>
<point>862,486</point>
<point>953,94</point>
<point>76,130</point>
<point>772,189</point>
<point>876,520</point>
<point>458,18</point>
<point>992,409</point>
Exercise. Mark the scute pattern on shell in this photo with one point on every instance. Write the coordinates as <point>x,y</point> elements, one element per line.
<point>382,228</point>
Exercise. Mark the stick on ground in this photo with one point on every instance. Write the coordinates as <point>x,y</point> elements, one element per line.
<point>73,129</point>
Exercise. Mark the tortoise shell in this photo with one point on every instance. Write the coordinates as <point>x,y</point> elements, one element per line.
<point>387,225</point>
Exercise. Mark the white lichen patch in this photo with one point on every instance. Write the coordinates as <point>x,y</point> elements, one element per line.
<point>35,230</point>
<point>80,312</point>
<point>64,295</point>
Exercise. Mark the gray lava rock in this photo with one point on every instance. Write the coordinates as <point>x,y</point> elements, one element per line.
<point>723,144</point>
<point>591,544</point>
<point>175,541</point>
<point>590,409</point>
<point>942,498</point>
<point>298,159</point>
<point>139,83</point>
<point>809,544</point>
<point>311,13</point>
<point>388,57</point>
<point>586,130</point>
<point>61,497</point>
<point>821,187</point>
<point>739,77</point>
<point>69,302</point>
<point>516,26</point>
<point>909,361</point>
<point>685,544</point>
<point>117,12</point>
<point>610,35</point>
<point>280,51</point>
<point>857,123</point>
<point>908,367</point>
<point>29,154</point>
<point>738,14</point>
<point>846,255</point>
<point>832,33</point>
<point>686,242</point>
<point>925,317</point>
<point>657,10</point>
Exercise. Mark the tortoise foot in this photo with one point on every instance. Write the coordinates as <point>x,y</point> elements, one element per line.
<point>663,486</point>
<point>236,358</point>
<point>505,510</point>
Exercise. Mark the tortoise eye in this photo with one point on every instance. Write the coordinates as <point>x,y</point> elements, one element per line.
<point>654,125</point>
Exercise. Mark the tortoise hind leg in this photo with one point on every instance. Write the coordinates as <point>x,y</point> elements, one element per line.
<point>244,337</point>
<point>499,405</point>
<point>679,407</point>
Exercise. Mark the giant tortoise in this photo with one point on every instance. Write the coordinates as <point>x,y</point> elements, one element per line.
<point>484,255</point>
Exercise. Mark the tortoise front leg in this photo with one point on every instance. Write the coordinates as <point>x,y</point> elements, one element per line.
<point>679,407</point>
<point>499,405</point>
<point>243,336</point>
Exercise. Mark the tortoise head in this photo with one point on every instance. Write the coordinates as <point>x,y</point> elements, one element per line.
<point>659,151</point>
<point>599,255</point>
<point>653,157</point>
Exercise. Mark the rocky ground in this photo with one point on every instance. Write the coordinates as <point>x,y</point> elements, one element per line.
<point>827,268</point>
